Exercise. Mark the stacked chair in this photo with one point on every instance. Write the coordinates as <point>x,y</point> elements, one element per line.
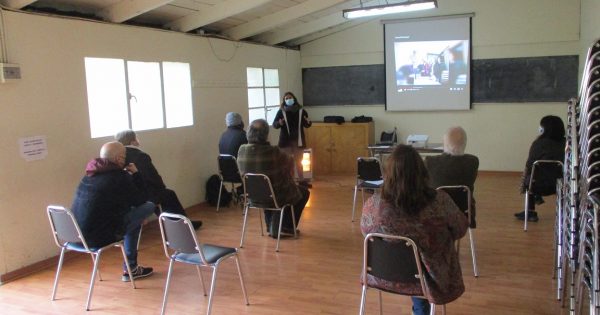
<point>577,244</point>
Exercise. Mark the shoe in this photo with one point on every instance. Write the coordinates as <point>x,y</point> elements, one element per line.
<point>289,231</point>
<point>538,199</point>
<point>531,217</point>
<point>137,272</point>
<point>196,224</point>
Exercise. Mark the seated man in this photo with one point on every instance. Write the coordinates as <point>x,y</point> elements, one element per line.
<point>258,156</point>
<point>110,205</point>
<point>158,193</point>
<point>234,136</point>
<point>454,167</point>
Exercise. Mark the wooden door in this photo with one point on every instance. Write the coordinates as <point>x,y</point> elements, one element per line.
<point>350,142</point>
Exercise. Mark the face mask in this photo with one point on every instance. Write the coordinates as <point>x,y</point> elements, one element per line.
<point>289,102</point>
<point>541,130</point>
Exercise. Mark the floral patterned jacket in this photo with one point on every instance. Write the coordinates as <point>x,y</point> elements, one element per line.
<point>434,230</point>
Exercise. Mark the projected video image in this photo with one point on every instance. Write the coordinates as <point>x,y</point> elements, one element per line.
<point>431,63</point>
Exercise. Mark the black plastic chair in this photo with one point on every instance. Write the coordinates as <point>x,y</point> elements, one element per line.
<point>259,194</point>
<point>388,138</point>
<point>392,258</point>
<point>228,173</point>
<point>369,176</point>
<point>68,237</point>
<point>181,245</point>
<point>543,173</point>
<point>462,197</point>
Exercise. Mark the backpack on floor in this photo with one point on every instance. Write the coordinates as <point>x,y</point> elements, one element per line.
<point>212,192</point>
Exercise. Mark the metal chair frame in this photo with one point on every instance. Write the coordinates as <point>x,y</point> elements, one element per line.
<point>225,157</point>
<point>67,235</point>
<point>363,176</point>
<point>366,269</point>
<point>181,244</point>
<point>530,186</point>
<point>267,189</point>
<point>466,194</point>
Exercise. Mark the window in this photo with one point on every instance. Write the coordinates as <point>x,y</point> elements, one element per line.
<point>263,93</point>
<point>137,95</point>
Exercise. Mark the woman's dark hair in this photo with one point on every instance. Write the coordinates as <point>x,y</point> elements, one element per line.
<point>282,105</point>
<point>554,128</point>
<point>406,181</point>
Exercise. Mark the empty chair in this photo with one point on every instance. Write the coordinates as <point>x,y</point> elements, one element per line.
<point>369,176</point>
<point>395,259</point>
<point>544,174</point>
<point>388,138</point>
<point>68,237</point>
<point>260,195</point>
<point>461,195</point>
<point>181,245</point>
<point>228,172</point>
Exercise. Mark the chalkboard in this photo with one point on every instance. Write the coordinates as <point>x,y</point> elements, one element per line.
<point>347,85</point>
<point>506,80</point>
<point>519,80</point>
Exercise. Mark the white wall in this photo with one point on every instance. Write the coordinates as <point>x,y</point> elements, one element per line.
<point>590,23</point>
<point>51,100</point>
<point>500,134</point>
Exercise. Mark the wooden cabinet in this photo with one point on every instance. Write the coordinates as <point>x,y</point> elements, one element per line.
<point>336,147</point>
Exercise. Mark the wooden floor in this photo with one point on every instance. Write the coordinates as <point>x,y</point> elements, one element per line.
<point>317,273</point>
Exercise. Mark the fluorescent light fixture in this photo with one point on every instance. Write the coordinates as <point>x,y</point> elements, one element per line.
<point>407,6</point>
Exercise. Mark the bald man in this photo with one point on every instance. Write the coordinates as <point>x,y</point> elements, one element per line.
<point>111,204</point>
<point>454,167</point>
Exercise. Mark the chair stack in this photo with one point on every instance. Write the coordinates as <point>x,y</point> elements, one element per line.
<point>577,244</point>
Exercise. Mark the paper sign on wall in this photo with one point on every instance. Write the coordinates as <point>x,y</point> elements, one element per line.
<point>33,148</point>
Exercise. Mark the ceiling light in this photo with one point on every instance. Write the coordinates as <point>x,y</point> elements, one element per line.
<point>407,6</point>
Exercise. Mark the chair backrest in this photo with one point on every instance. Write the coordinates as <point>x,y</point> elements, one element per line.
<point>228,169</point>
<point>178,235</point>
<point>259,191</point>
<point>369,169</point>
<point>64,226</point>
<point>460,194</point>
<point>388,137</point>
<point>544,174</point>
<point>392,258</point>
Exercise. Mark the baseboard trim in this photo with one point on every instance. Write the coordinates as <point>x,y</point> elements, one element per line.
<point>500,172</point>
<point>33,268</point>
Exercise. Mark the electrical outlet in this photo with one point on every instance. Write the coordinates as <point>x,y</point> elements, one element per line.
<point>9,72</point>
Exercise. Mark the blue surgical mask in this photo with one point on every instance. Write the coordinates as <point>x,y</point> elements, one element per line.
<point>289,102</point>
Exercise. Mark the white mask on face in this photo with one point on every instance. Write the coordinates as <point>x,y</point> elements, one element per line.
<point>289,101</point>
<point>541,130</point>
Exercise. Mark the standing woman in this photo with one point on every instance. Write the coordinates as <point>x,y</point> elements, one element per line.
<point>549,145</point>
<point>408,207</point>
<point>292,119</point>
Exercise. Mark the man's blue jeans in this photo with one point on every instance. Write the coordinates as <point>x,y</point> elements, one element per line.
<point>420,306</point>
<point>133,223</point>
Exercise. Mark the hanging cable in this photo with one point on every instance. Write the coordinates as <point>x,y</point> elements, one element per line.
<point>236,46</point>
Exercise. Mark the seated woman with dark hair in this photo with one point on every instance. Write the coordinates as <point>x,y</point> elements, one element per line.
<point>407,206</point>
<point>549,145</point>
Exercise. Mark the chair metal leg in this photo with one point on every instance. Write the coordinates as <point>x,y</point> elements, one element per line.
<point>260,220</point>
<point>526,210</point>
<point>239,268</point>
<point>431,309</point>
<point>244,226</point>
<point>126,265</point>
<point>92,280</point>
<point>219,199</point>
<point>380,303</point>
<point>474,257</point>
<point>169,274</point>
<point>139,237</point>
<point>354,201</point>
<point>363,300</point>
<point>279,231</point>
<point>58,269</point>
<point>212,288</point>
<point>293,220</point>
<point>93,262</point>
<point>201,279</point>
